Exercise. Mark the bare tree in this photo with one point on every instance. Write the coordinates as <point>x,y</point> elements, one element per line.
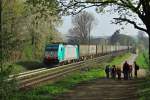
<point>82,26</point>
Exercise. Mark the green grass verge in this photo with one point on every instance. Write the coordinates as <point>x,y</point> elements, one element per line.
<point>18,69</point>
<point>119,59</point>
<point>144,86</point>
<point>22,66</point>
<point>143,59</point>
<point>144,89</point>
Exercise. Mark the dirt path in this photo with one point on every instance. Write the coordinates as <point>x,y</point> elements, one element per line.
<point>130,60</point>
<point>105,89</point>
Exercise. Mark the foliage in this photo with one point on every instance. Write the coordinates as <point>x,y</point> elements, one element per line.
<point>26,28</point>
<point>42,16</point>
<point>10,34</point>
<point>7,88</point>
<point>143,59</point>
<point>143,41</point>
<point>121,39</point>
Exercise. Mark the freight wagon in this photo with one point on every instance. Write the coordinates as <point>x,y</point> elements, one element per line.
<point>64,53</point>
<point>87,51</point>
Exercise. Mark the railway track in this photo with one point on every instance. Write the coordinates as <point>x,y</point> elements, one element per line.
<point>33,78</point>
<point>27,72</point>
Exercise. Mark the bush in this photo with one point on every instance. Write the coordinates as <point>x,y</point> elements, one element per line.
<point>7,88</point>
<point>143,59</point>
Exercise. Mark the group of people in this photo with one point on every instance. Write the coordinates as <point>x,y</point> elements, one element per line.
<point>127,71</point>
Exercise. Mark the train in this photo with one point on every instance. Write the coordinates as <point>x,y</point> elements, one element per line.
<point>60,53</point>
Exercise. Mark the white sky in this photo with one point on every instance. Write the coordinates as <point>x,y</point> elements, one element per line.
<point>103,26</point>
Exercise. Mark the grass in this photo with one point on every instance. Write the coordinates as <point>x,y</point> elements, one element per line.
<point>18,69</point>
<point>144,89</point>
<point>22,66</point>
<point>48,91</point>
<point>143,59</point>
<point>118,60</point>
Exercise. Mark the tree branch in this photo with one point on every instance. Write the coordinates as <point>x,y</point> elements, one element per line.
<point>83,9</point>
<point>131,22</point>
<point>139,4</point>
<point>99,3</point>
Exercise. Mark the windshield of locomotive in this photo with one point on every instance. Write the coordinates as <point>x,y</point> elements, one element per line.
<point>51,48</point>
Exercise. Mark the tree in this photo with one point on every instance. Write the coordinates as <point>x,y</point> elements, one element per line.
<point>11,37</point>
<point>26,24</point>
<point>42,17</point>
<point>115,37</point>
<point>0,34</point>
<point>143,41</point>
<point>127,9</point>
<point>22,22</point>
<point>121,39</point>
<point>10,42</point>
<point>82,26</point>
<point>143,44</point>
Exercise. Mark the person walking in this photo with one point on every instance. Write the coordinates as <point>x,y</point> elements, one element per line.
<point>130,71</point>
<point>125,70</point>
<point>107,70</point>
<point>113,71</point>
<point>136,68</point>
<point>118,70</point>
<point>110,71</point>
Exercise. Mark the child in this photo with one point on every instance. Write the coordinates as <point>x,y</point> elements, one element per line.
<point>130,71</point>
<point>118,70</point>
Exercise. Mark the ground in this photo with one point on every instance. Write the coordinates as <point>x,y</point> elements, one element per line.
<point>106,89</point>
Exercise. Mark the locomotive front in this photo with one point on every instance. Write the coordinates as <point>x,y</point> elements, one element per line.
<point>51,54</point>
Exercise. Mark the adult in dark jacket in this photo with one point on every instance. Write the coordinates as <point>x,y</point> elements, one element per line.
<point>107,70</point>
<point>113,72</point>
<point>136,68</point>
<point>126,70</point>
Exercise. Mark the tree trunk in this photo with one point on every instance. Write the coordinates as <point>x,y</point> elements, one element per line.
<point>148,32</point>
<point>1,62</point>
<point>0,15</point>
<point>147,24</point>
<point>146,21</point>
<point>148,29</point>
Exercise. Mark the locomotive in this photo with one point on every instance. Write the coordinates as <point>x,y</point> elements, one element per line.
<point>60,53</point>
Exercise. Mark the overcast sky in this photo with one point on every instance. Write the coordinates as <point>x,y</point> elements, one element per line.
<point>103,26</point>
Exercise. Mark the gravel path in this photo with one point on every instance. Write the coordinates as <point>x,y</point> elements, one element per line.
<point>130,60</point>
<point>106,89</point>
